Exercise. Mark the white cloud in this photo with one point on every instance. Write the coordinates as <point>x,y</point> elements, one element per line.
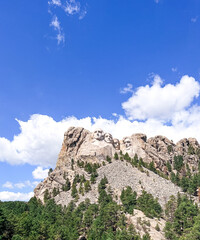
<point>156,1</point>
<point>60,38</point>
<point>128,88</point>
<point>56,25</point>
<point>82,14</point>
<point>12,196</point>
<point>20,185</point>
<point>161,102</point>
<point>194,19</point>
<point>7,185</point>
<point>55,2</point>
<point>150,109</point>
<point>40,173</point>
<point>39,141</point>
<point>72,7</point>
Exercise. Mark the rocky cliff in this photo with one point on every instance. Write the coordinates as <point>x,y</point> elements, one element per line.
<point>85,158</point>
<point>80,145</point>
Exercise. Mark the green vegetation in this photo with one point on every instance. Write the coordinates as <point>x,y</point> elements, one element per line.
<point>129,199</point>
<point>87,186</point>
<point>169,166</point>
<point>67,185</point>
<point>139,163</point>
<point>183,219</point>
<point>116,157</point>
<point>50,171</point>
<point>157,227</point>
<point>178,162</point>
<point>188,182</point>
<point>149,205</point>
<point>191,150</point>
<point>55,192</point>
<point>72,164</point>
<point>74,190</point>
<point>169,148</point>
<point>34,221</point>
<point>108,159</point>
<point>145,202</point>
<point>90,169</point>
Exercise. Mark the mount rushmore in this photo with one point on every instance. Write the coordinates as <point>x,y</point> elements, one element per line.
<point>80,143</point>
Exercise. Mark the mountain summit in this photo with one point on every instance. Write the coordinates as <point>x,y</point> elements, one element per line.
<point>144,165</point>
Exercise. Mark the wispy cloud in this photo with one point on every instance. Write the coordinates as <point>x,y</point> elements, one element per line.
<point>70,7</point>
<point>55,2</point>
<point>56,25</point>
<point>194,19</point>
<point>128,88</point>
<point>174,69</point>
<point>156,1</point>
<point>8,185</point>
<point>20,185</point>
<point>82,14</point>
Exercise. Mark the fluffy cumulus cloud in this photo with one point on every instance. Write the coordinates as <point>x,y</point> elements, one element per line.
<point>154,109</point>
<point>12,196</point>
<point>159,102</point>
<point>40,173</point>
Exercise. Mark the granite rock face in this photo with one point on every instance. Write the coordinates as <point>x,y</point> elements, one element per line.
<point>81,144</point>
<point>81,147</point>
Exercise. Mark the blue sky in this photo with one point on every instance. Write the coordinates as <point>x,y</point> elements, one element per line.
<point>130,66</point>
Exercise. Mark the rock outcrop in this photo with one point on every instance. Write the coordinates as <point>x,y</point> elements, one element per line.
<point>81,147</point>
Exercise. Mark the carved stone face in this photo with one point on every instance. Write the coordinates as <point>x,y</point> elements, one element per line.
<point>116,144</point>
<point>127,143</point>
<point>98,134</point>
<point>108,138</point>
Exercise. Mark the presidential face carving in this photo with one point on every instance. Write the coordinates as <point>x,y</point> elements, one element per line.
<point>127,143</point>
<point>116,144</point>
<point>108,138</point>
<point>98,134</point>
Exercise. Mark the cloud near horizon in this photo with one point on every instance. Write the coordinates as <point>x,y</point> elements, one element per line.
<point>155,109</point>
<point>20,185</point>
<point>12,196</point>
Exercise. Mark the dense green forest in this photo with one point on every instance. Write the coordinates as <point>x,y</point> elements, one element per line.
<point>33,220</point>
<point>104,221</point>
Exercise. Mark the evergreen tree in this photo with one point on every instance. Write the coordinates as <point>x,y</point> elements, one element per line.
<point>128,198</point>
